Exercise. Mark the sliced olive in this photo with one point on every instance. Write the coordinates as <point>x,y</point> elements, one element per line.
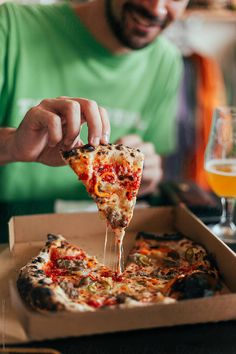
<point>144,260</point>
<point>190,254</point>
<point>92,287</point>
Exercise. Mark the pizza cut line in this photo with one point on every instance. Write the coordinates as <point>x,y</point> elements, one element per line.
<point>159,269</point>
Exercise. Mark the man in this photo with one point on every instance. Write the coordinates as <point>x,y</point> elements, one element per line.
<point>107,51</point>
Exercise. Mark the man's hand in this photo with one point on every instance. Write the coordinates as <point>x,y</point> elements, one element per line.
<point>55,124</point>
<point>152,172</point>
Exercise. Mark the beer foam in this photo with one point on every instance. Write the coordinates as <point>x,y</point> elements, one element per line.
<point>215,166</point>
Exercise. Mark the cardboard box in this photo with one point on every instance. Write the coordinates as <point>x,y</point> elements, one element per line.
<point>28,234</point>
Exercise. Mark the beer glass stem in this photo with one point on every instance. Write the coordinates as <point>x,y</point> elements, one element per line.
<point>227,212</point>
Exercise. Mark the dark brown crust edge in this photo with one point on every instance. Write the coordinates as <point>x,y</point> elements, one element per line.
<point>37,297</point>
<point>74,152</point>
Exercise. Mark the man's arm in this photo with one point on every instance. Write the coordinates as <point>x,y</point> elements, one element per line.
<point>6,145</point>
<point>52,125</point>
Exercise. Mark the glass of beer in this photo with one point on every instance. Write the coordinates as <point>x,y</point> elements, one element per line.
<point>220,166</point>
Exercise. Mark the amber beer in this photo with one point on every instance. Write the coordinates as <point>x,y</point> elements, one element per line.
<point>221,176</point>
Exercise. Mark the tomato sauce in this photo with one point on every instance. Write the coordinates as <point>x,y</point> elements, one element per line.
<point>94,303</point>
<point>83,176</point>
<point>52,270</point>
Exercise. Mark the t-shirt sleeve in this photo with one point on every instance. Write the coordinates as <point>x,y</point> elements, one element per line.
<point>161,130</point>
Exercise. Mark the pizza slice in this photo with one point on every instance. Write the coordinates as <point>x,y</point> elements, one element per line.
<point>55,279</point>
<point>174,265</point>
<point>112,175</point>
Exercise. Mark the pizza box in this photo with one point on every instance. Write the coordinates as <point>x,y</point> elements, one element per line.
<point>28,234</point>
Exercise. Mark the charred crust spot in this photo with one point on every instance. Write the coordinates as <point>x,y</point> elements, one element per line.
<point>37,297</point>
<point>33,267</point>
<point>87,148</point>
<point>38,260</point>
<point>52,237</point>
<point>69,153</point>
<point>132,154</point>
<point>119,147</point>
<point>41,298</point>
<point>194,286</point>
<point>173,254</point>
<point>24,286</point>
<point>120,298</point>
<point>210,257</point>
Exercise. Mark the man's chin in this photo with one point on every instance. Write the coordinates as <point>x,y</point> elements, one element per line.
<point>127,33</point>
<point>136,43</point>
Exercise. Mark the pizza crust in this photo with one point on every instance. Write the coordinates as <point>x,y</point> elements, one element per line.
<point>37,290</point>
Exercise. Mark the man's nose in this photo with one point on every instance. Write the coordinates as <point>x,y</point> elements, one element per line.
<point>158,7</point>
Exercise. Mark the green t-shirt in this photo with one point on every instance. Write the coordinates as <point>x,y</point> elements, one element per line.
<point>46,52</point>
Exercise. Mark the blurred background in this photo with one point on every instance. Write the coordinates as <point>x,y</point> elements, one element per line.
<point>206,37</point>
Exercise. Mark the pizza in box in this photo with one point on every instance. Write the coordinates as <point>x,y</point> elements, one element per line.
<point>160,268</point>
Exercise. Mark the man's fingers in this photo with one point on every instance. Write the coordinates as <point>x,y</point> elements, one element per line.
<point>91,114</point>
<point>147,149</point>
<point>152,174</point>
<point>147,188</point>
<point>106,130</point>
<point>51,122</point>
<point>131,140</point>
<point>97,121</point>
<point>152,161</point>
<point>73,121</point>
<point>70,113</point>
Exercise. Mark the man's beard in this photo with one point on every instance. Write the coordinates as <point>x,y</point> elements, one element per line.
<point>118,26</point>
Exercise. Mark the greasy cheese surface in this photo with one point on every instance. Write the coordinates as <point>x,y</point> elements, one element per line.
<point>112,176</point>
<point>158,270</point>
